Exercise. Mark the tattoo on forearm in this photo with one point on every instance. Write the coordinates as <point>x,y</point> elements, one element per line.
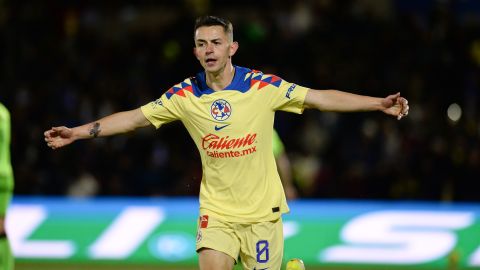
<point>95,130</point>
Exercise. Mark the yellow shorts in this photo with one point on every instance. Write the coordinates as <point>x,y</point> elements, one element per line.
<point>259,245</point>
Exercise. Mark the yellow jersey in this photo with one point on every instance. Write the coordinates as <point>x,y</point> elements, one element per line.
<point>233,131</point>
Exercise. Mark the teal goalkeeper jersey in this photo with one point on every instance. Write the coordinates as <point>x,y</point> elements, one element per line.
<point>233,131</point>
<point>6,173</point>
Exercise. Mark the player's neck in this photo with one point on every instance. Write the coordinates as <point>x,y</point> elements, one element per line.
<point>218,81</point>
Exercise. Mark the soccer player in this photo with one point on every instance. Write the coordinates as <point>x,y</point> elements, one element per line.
<point>229,111</point>
<point>284,168</point>
<point>6,187</point>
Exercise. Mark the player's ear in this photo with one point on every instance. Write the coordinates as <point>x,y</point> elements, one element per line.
<point>233,48</point>
<point>195,52</point>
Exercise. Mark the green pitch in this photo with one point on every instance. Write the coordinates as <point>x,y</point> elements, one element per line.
<point>61,266</point>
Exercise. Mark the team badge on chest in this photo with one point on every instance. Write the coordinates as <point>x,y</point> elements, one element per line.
<point>221,110</point>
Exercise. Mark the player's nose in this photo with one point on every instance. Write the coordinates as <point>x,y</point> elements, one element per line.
<point>209,48</point>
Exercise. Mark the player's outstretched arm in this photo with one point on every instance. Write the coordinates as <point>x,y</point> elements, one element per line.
<point>339,101</point>
<point>116,123</point>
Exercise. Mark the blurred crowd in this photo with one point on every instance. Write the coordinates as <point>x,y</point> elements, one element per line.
<point>71,62</point>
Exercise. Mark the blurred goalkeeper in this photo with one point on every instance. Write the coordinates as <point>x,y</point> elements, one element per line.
<point>229,111</point>
<point>6,187</point>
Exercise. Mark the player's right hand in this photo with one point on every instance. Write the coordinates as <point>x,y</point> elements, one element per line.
<point>58,137</point>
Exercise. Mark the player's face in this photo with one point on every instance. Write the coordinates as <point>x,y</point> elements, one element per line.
<point>213,48</point>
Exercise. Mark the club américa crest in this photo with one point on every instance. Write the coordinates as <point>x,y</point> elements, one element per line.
<point>221,110</point>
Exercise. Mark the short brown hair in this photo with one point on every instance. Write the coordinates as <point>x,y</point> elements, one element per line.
<point>213,21</point>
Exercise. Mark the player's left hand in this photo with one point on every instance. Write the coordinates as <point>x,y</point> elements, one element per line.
<point>395,105</point>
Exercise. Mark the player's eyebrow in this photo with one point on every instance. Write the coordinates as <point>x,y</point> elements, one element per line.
<point>212,40</point>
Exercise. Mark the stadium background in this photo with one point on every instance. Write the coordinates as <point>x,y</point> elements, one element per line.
<point>70,62</point>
